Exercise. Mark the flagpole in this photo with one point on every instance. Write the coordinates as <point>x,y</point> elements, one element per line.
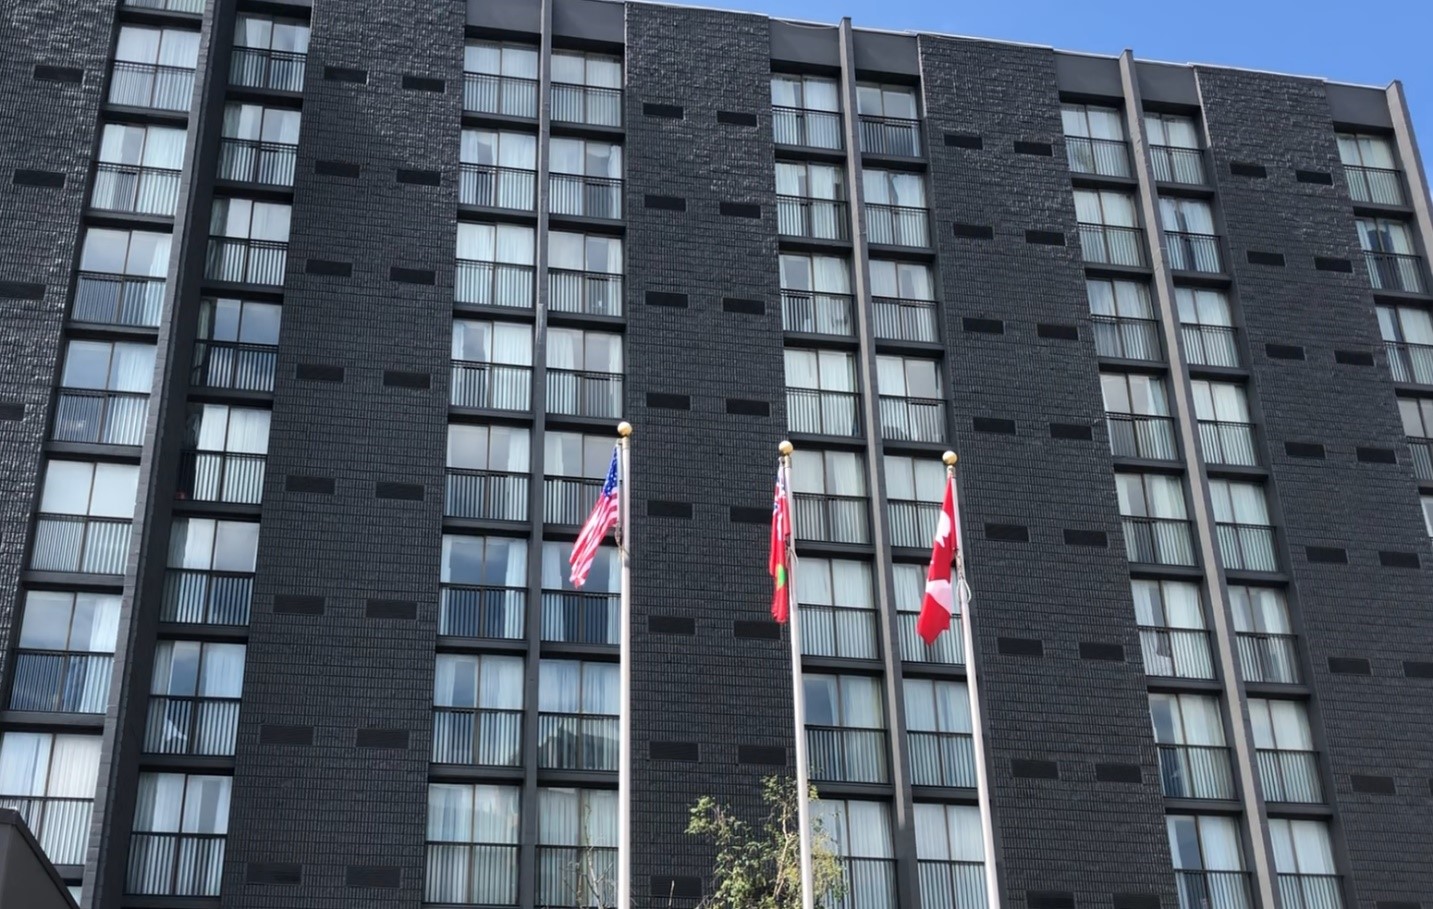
<point>982,781</point>
<point>624,721</point>
<point>798,695</point>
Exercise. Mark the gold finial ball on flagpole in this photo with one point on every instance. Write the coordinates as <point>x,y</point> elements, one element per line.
<point>949,458</point>
<point>624,429</point>
<point>786,448</point>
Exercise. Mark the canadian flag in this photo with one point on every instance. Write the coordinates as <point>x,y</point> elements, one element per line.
<point>940,602</point>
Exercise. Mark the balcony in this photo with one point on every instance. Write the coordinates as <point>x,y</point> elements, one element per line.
<point>593,105</point>
<point>942,759</point>
<point>897,225</point>
<point>493,284</point>
<point>1175,164</point>
<point>897,319</point>
<point>251,161</point>
<point>219,476</point>
<point>835,631</point>
<point>490,186</point>
<point>1213,889</point>
<point>589,197</point>
<point>1127,339</point>
<point>1102,157</point>
<point>576,741</point>
<point>477,737</point>
<point>234,365</point>
<point>188,725</point>
<point>1410,362</point>
<point>243,261</point>
<point>483,874</point>
<point>1135,435</point>
<point>817,313</point>
<point>109,299</point>
<point>574,617</point>
<point>1209,345</point>
<point>508,96</point>
<point>82,544</point>
<point>1290,776</point>
<point>912,419</point>
<point>579,393</point>
<point>1228,444</point>
<point>575,876</point>
<point>948,649</point>
<point>471,611</point>
<point>819,219</point>
<point>100,417</point>
<point>199,597</point>
<point>62,825</point>
<point>827,413</point>
<point>1176,653</point>
<point>172,6</point>
<point>1375,185</point>
<point>895,136</point>
<point>61,681</point>
<point>1310,891</point>
<point>952,885</point>
<point>807,128</point>
<point>485,495</point>
<point>1195,772</point>
<point>175,864</point>
<point>1105,244</point>
<point>1158,541</point>
<point>870,883</point>
<point>1396,271</point>
<point>1194,252</point>
<point>913,523</point>
<point>1247,547</point>
<point>152,86</point>
<point>569,500</point>
<point>832,519</point>
<point>491,386</point>
<point>591,293</point>
<point>841,755</point>
<point>1422,450</point>
<point>130,188</point>
<point>257,67</point>
<point>1265,657</point>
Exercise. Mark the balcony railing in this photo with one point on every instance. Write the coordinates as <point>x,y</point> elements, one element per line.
<point>1290,776</point>
<point>1228,443</point>
<point>1209,345</point>
<point>1105,157</point>
<point>150,85</point>
<point>199,597</point>
<point>1176,653</point>
<point>1213,889</point>
<point>1194,252</point>
<point>1310,891</point>
<point>509,96</point>
<point>1126,338</point>
<point>949,648</point>
<point>251,161</point>
<point>1265,657</point>
<point>258,67</point>
<point>838,631</point>
<point>576,877</point>
<point>1158,541</point>
<point>912,419</point>
<point>897,225</point>
<point>487,495</point>
<point>246,261</point>
<point>1174,164</point>
<point>1410,362</point>
<point>817,313</point>
<point>1422,450</point>
<point>832,519</point>
<point>470,611</point>
<point>78,543</point>
<point>61,681</point>
<point>591,197</point>
<point>189,725</point>
<point>807,128</point>
<point>62,825</point>
<point>477,737</point>
<point>594,105</point>
<point>870,883</point>
<point>1396,271</point>
<point>897,136</point>
<point>820,219</point>
<point>1195,772</point>
<point>130,188</point>
<point>233,364</point>
<point>220,476</point>
<point>1105,244</point>
<point>847,755</point>
<point>1135,435</point>
<point>173,6</point>
<point>913,523</point>
<point>103,417</point>
<point>828,413</point>
<point>575,741</point>
<point>942,759</point>
<point>580,393</point>
<point>118,299</point>
<point>568,500</point>
<point>592,293</point>
<point>953,885</point>
<point>898,319</point>
<point>1247,547</point>
<point>491,186</point>
<point>580,618</point>
<point>175,864</point>
<point>494,284</point>
<point>482,874</point>
<point>491,386</point>
<point>1376,185</point>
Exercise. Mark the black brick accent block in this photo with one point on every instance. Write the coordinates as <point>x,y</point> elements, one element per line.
<point>395,378</point>
<point>345,74</point>
<point>298,604</point>
<point>1043,149</point>
<point>1377,455</point>
<point>750,514</point>
<point>405,610</point>
<point>1045,237</point>
<point>408,492</point>
<point>671,624</point>
<point>1353,357</point>
<point>419,177</point>
<point>1135,900</point>
<point>1397,904</point>
<point>974,231</point>
<point>1049,899</point>
<point>1007,533</point>
<point>11,411</point>
<point>1312,450</point>
<point>273,734</point>
<point>424,276</point>
<point>1378,785</point>
<point>1390,559</point>
<point>1326,555</point>
<point>423,84</point>
<point>317,485</point>
<point>983,326</point>
<point>1119,773</point>
<point>743,306</point>
<point>740,210</point>
<point>1095,650</point>
<point>1334,264</point>
<point>1318,177</point>
<point>963,140</point>
<point>665,203</point>
<point>328,268</point>
<point>1027,768</point>
<point>1020,647</point>
<point>377,877</point>
<point>666,298</point>
<point>665,111</point>
<point>769,755</point>
<point>1057,331</point>
<point>1266,258</point>
<point>748,408</point>
<point>759,629</point>
<point>1350,666</point>
<point>736,118</point>
<point>345,169</point>
<point>1417,669</point>
<point>274,873</point>
<point>43,179</point>
<point>993,424</point>
<point>1073,432</point>
<point>381,738</point>
<point>1284,351</point>
<point>674,751</point>
<point>665,401</point>
<point>659,509</point>
<point>1087,538</point>
<point>685,887</point>
<point>45,72</point>
<point>318,372</point>
<point>21,290</point>
<point>1248,169</point>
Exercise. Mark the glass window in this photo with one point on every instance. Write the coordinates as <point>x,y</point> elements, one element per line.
<point>507,343</point>
<point>463,813</point>
<point>486,682</point>
<point>901,280</point>
<point>247,219</point>
<point>1134,393</point>
<point>204,544</point>
<point>85,488</point>
<point>505,243</point>
<point>42,764</point>
<point>1238,503</point>
<point>1224,402</point>
<point>157,46</point>
<point>182,803</point>
<point>836,582</point>
<point>570,68</point>
<point>219,427</point>
<point>936,706</point>
<point>884,187</point>
<point>605,576</point>
<point>1204,843</point>
<point>1186,719</point>
<point>894,101</point>
<point>109,365</point>
<point>484,561</point>
<point>1280,725</point>
<point>850,701</point>
<point>1301,847</point>
<point>828,370</point>
<point>271,34</point>
<point>1364,150</point>
<point>1385,235</point>
<point>74,622</point>
<point>1202,307</point>
<point>1086,121</point>
<point>244,321</point>
<point>1121,299</point>
<point>585,157</point>
<point>805,92</point>
<point>1167,604</point>
<point>585,252</point>
<point>572,686</point>
<point>913,479</point>
<point>1150,496</point>
<point>584,351</point>
<point>949,833</point>
<point>1171,130</point>
<point>143,146</point>
<point>1190,216</point>
<point>1259,610</point>
<point>495,59</point>
<point>572,454</point>
<point>498,448</point>
<point>1417,416</point>
<point>906,377</point>
<point>257,123</point>
<point>1405,324</point>
<point>1107,207</point>
<point>194,669</point>
<point>817,274</point>
<point>857,829</point>
<point>828,473</point>
<point>125,252</point>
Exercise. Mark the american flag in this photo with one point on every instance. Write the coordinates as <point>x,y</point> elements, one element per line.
<point>599,522</point>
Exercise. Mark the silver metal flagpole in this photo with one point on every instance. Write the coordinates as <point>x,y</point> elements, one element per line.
<point>624,722</point>
<point>798,692</point>
<point>982,781</point>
